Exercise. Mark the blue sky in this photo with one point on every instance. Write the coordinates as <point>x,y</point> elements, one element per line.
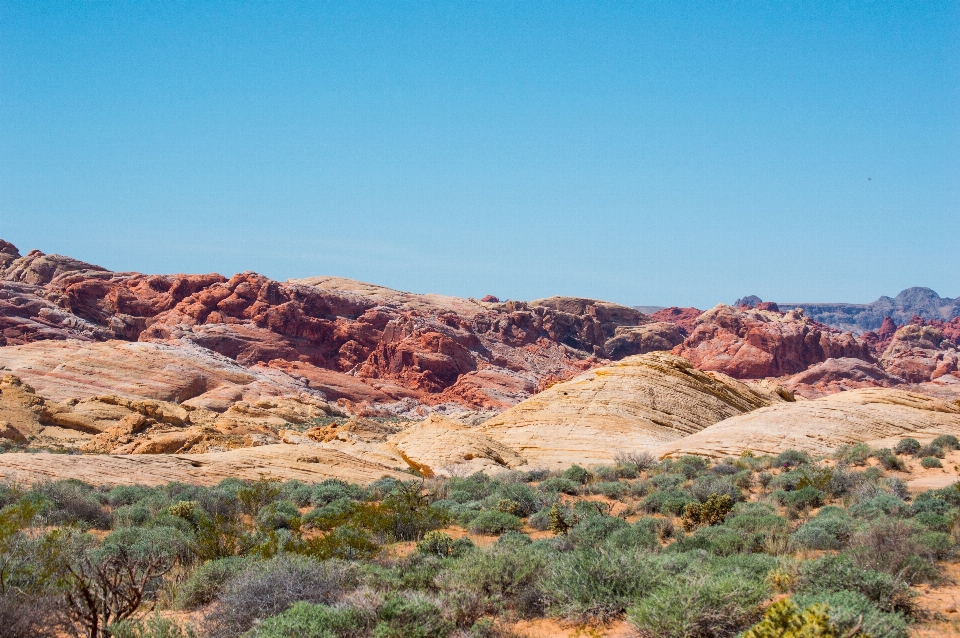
<point>644,153</point>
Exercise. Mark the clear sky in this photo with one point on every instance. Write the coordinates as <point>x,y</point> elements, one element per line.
<point>646,153</point>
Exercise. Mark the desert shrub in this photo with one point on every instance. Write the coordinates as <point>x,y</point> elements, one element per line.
<point>297,492</point>
<point>604,472</point>
<point>330,515</point>
<point>526,499</point>
<point>846,609</point>
<point>627,471</point>
<point>711,512</point>
<point>540,520</point>
<point>381,487</point>
<point>536,475</point>
<point>559,484</point>
<point>576,474</point>
<point>830,529</point>
<point>700,603</point>
<point>946,442</point>
<point>854,454</point>
<point>890,545</point>
<point>411,617</point>
<point>130,515</point>
<point>333,489</point>
<point>891,461</point>
<point>837,573</point>
<point>717,540</point>
<point>907,446</point>
<point>805,497</point>
<point>278,515</point>
<point>882,504</point>
<point>505,576</point>
<point>931,462</point>
<point>307,620</point>
<point>764,479</point>
<point>743,479</point>
<point>896,486</point>
<point>706,486</point>
<point>756,518</point>
<point>267,588</point>
<point>666,502</point>
<point>640,460</point>
<point>593,530</point>
<point>668,481</point>
<point>129,494</point>
<point>725,468</point>
<point>591,584</point>
<point>492,522</point>
<point>206,581</point>
<point>610,489</point>
<point>633,538</point>
<point>253,496</point>
<point>662,527</point>
<point>691,466</point>
<point>791,458</point>
<point>933,521</point>
<point>152,627</point>
<point>69,502</point>
<point>931,450</point>
<point>437,543</point>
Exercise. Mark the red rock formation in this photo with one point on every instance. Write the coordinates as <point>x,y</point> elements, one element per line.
<point>354,342</point>
<point>490,299</point>
<point>755,344</point>
<point>684,318</point>
<point>839,375</point>
<point>920,353</point>
<point>879,340</point>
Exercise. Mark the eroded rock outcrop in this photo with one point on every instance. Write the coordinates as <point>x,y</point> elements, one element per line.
<point>920,353</point>
<point>633,404</point>
<point>840,375</point>
<point>745,343</point>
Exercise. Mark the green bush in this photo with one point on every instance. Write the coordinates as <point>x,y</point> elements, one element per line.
<point>611,489</point>
<point>278,515</point>
<point>699,603</point>
<point>706,486</point>
<point>881,505</point>
<point>907,446</point>
<point>591,584</point>
<point>892,462</point>
<point>931,462</point>
<point>806,497</point>
<point>152,627</point>
<point>931,450</point>
<point>837,573</point>
<point>666,502</point>
<point>845,609</point>
<point>791,458</point>
<point>526,499</point>
<point>691,466</point>
<point>505,576</point>
<point>593,530</point>
<point>828,530</point>
<point>206,581</point>
<point>854,454</point>
<point>667,481</point>
<point>411,617</point>
<point>946,442</point>
<point>633,538</point>
<point>576,474</point>
<point>492,522</point>
<point>933,521</point>
<point>558,484</point>
<point>717,540</point>
<point>306,620</point>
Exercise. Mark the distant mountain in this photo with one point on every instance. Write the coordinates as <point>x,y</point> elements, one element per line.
<point>863,317</point>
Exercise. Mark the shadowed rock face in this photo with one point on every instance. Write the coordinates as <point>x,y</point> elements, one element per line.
<point>746,343</point>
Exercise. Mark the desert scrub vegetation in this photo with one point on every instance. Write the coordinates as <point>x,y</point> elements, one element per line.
<point>679,548</point>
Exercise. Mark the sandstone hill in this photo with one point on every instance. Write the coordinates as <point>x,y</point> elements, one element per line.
<point>877,416</point>
<point>630,405</point>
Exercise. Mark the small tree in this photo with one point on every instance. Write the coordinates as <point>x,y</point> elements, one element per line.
<point>109,584</point>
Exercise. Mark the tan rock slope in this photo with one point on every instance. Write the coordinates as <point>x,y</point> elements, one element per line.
<point>872,415</point>
<point>637,403</point>
<point>309,463</point>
